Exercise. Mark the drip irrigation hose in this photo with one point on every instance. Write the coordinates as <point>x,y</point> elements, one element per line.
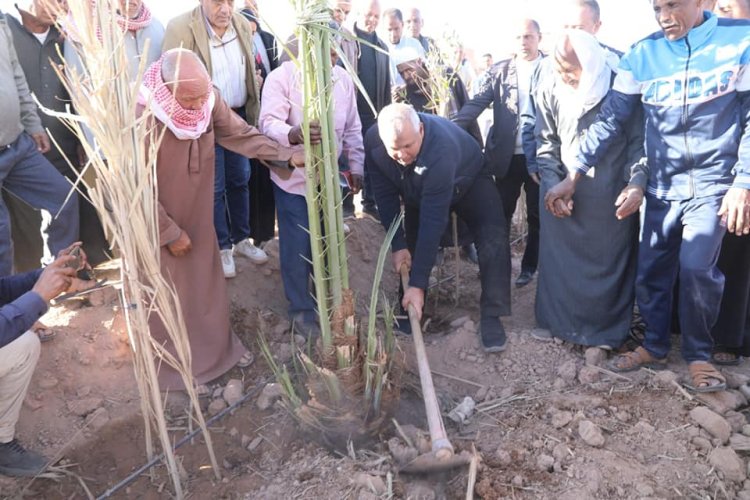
<point>154,461</point>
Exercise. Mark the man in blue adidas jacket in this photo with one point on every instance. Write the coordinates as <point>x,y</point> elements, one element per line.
<point>693,81</point>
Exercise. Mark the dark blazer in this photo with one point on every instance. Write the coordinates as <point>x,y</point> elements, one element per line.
<point>382,97</point>
<point>503,96</point>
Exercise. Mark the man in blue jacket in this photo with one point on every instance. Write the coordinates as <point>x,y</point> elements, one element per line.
<point>693,82</point>
<point>435,167</point>
<point>24,298</point>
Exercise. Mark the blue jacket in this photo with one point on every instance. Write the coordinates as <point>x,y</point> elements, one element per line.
<point>19,306</point>
<point>696,100</point>
<point>447,165</point>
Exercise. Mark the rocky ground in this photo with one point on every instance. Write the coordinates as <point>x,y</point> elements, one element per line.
<point>547,419</point>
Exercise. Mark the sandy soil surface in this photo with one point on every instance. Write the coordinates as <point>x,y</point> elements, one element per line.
<point>550,421</point>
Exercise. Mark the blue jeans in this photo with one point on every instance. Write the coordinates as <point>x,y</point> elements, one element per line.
<point>231,197</point>
<point>27,174</point>
<point>680,237</point>
<point>294,253</point>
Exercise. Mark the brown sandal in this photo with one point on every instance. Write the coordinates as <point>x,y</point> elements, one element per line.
<point>635,360</point>
<point>705,378</point>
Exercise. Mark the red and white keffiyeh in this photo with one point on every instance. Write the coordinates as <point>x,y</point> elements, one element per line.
<point>136,23</point>
<point>185,124</point>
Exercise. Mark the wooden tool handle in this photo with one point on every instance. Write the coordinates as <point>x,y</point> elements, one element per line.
<point>441,446</point>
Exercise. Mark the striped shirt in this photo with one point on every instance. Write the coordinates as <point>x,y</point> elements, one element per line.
<point>228,66</point>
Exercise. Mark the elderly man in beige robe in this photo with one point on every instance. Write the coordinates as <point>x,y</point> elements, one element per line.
<point>196,117</point>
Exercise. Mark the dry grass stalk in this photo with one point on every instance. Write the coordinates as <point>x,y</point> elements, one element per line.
<point>125,194</point>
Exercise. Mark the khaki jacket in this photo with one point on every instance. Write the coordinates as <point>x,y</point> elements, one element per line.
<point>189,31</point>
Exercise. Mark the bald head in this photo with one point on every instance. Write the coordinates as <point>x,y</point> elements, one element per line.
<point>187,78</point>
<point>567,64</point>
<point>414,22</point>
<point>401,132</point>
<point>368,15</point>
<point>528,35</point>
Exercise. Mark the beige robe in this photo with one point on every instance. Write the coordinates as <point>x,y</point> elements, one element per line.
<point>185,171</point>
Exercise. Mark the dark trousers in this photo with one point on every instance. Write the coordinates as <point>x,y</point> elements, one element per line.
<point>680,237</point>
<point>732,330</point>
<point>294,253</point>
<point>28,175</point>
<point>368,198</point>
<point>509,188</point>
<point>481,209</point>
<point>262,204</point>
<point>231,196</point>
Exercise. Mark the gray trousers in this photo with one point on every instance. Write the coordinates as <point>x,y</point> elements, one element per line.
<point>26,173</point>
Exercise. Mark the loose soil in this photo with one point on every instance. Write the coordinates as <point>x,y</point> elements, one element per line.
<point>83,407</point>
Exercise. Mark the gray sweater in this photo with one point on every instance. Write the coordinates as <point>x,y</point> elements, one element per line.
<point>19,111</point>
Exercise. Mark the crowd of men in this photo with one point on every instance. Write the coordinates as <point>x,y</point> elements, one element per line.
<point>591,135</point>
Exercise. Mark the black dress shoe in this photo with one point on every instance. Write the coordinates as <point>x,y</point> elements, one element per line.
<point>15,460</point>
<point>492,334</point>
<point>524,278</point>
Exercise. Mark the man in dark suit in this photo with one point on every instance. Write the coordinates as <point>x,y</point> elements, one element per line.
<point>504,149</point>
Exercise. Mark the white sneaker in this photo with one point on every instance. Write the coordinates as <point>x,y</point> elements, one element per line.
<point>227,263</point>
<point>247,249</point>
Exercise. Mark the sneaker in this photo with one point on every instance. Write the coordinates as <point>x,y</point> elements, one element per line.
<point>524,278</point>
<point>542,335</point>
<point>492,334</point>
<point>247,249</point>
<point>15,460</point>
<point>227,263</point>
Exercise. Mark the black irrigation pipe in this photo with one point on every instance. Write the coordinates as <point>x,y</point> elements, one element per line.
<point>154,461</point>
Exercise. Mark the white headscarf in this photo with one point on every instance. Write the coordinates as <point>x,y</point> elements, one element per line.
<point>596,74</point>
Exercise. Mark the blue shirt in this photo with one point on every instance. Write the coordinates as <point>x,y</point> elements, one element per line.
<point>21,307</point>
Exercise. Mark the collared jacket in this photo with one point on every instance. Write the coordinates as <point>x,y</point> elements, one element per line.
<point>189,30</point>
<point>695,93</point>
<point>447,164</point>
<point>19,111</point>
<point>382,96</point>
<point>39,61</point>
<point>503,96</point>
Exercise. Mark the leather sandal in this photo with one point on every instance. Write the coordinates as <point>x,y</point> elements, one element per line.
<point>704,377</point>
<point>635,360</point>
<point>724,358</point>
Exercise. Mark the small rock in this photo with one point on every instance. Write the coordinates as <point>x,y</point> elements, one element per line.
<point>472,358</point>
<point>726,461</point>
<point>517,481</point>
<point>375,484</point>
<point>470,327</point>
<point>702,444</point>
<point>49,382</point>
<point>559,384</point>
<point>401,453</point>
<point>643,427</point>
<point>283,352</point>
<point>502,457</point>
<point>545,463</point>
<point>746,429</point>
<point>713,423</point>
<point>740,443</point>
<point>233,391</point>
<point>254,443</point>
<point>561,418</point>
<point>643,489</point>
<point>665,378</point>
<point>722,401</point>
<point>233,432</point>
<point>743,495</point>
<point>463,411</point>
<point>270,394</point>
<point>267,272</point>
<point>595,356</point>
<point>218,393</point>
<point>481,394</point>
<point>568,371</point>
<point>736,420</point>
<point>593,479</point>
<point>462,356</point>
<point>216,407</point>
<point>591,433</point>
<point>561,453</point>
<point>588,375</point>
<point>736,380</point>
<point>83,407</point>
<point>299,340</point>
<point>458,322</point>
